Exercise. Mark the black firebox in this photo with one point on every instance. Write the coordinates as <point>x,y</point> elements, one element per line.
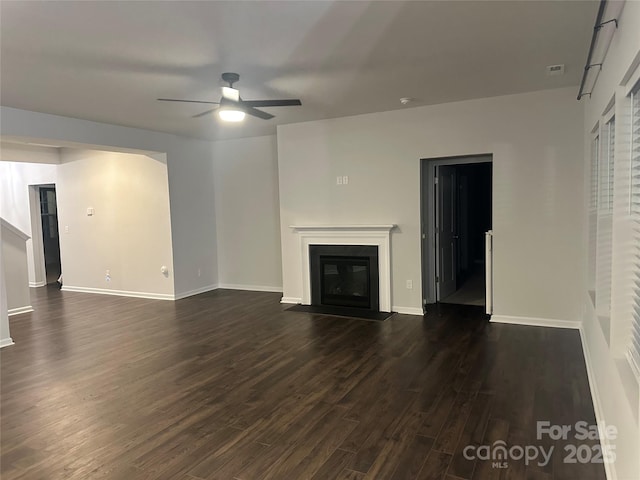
<point>345,276</point>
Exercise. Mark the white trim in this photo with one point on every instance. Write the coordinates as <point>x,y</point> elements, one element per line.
<point>609,467</point>
<point>5,342</point>
<point>376,235</point>
<point>121,293</point>
<point>346,228</point>
<point>13,229</point>
<point>488,275</point>
<point>408,311</point>
<point>610,111</point>
<point>37,284</point>
<point>197,291</point>
<point>632,77</point>
<point>293,300</point>
<point>250,288</point>
<point>535,322</point>
<point>19,310</point>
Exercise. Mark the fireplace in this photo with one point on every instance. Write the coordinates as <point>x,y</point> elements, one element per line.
<point>375,236</point>
<point>344,276</point>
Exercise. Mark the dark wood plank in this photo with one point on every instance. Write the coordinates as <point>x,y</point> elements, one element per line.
<point>472,435</point>
<point>451,430</point>
<point>435,466</point>
<point>414,457</point>
<point>337,462</point>
<point>348,474</point>
<point>497,430</point>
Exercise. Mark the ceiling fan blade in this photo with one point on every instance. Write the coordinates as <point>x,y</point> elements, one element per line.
<point>186,101</point>
<point>272,103</point>
<point>255,112</point>
<point>205,113</point>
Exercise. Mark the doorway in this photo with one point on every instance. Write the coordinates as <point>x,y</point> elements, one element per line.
<point>456,205</point>
<point>50,233</point>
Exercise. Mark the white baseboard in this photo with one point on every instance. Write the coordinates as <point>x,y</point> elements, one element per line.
<point>293,300</point>
<point>197,291</point>
<point>5,342</point>
<point>250,288</point>
<point>19,310</point>
<point>535,322</point>
<point>37,284</point>
<point>120,293</point>
<point>408,310</point>
<point>597,405</point>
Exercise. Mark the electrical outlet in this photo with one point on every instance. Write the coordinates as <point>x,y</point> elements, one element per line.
<point>409,284</point>
<point>345,180</point>
<point>107,276</point>
<point>199,272</point>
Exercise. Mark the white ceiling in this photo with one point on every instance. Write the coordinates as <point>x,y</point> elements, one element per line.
<point>109,61</point>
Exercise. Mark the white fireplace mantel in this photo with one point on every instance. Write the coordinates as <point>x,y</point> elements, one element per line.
<point>377,235</point>
<point>355,228</point>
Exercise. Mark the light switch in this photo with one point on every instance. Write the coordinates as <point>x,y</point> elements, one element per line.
<point>339,181</point>
<point>345,180</point>
<point>90,211</point>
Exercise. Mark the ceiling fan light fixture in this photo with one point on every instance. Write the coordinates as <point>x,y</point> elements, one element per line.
<point>231,115</point>
<point>232,108</point>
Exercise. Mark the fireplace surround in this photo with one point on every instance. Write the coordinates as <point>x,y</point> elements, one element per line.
<point>356,235</point>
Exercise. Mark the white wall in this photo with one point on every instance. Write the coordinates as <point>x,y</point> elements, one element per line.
<point>190,170</point>
<point>617,395</point>
<point>536,142</point>
<point>15,179</point>
<point>129,233</point>
<point>247,213</point>
<point>14,259</point>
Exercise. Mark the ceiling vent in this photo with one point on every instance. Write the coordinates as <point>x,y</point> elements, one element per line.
<point>555,70</point>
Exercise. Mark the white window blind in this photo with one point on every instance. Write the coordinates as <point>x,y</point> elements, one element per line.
<point>607,168</point>
<point>635,153</point>
<point>593,219</point>
<point>595,146</point>
<point>633,351</point>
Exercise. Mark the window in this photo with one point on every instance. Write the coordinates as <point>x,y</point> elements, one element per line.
<point>635,153</point>
<point>633,350</point>
<point>604,234</point>
<point>595,146</point>
<point>607,168</point>
<point>593,214</point>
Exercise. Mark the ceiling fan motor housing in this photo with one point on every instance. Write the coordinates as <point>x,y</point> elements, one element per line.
<point>230,77</point>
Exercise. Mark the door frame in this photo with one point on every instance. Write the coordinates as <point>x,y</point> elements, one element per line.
<point>428,216</point>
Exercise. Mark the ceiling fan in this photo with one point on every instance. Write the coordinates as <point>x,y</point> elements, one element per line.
<point>233,108</point>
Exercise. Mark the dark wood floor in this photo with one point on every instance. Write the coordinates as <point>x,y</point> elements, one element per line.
<point>227,385</point>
